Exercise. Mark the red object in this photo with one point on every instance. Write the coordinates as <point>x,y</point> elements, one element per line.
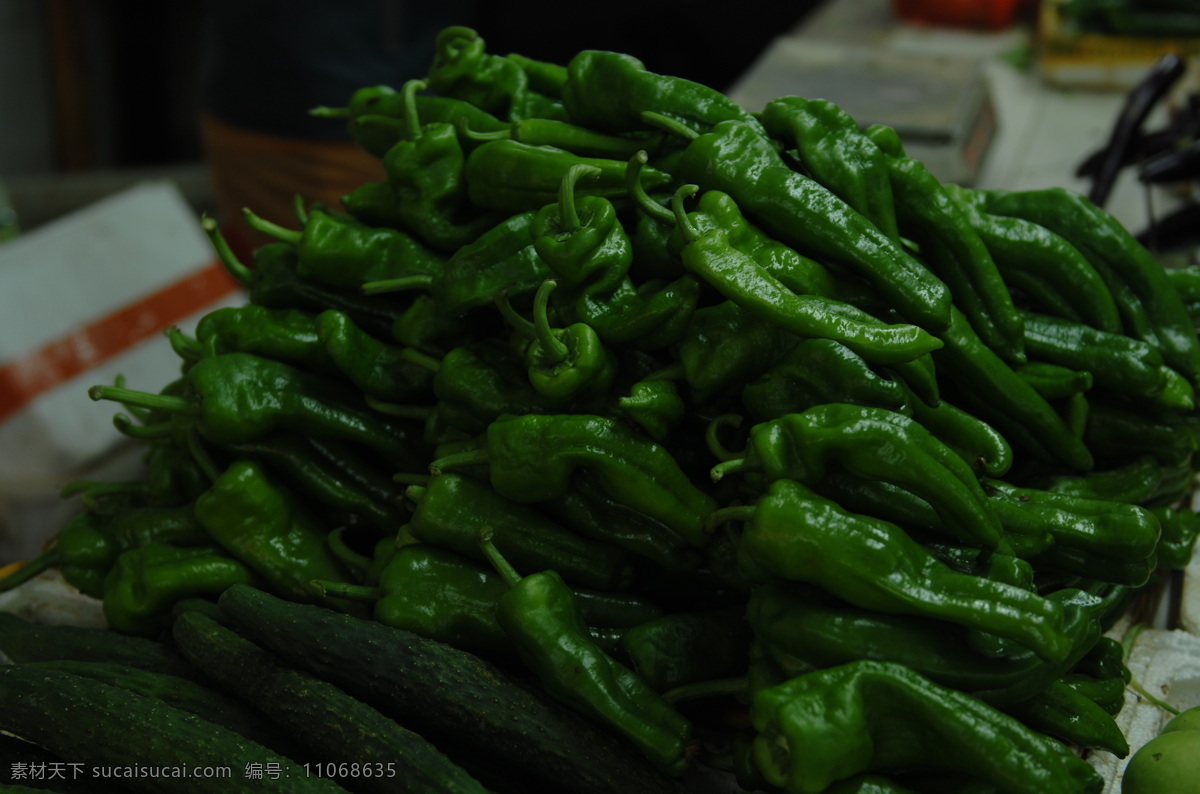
<point>978,14</point>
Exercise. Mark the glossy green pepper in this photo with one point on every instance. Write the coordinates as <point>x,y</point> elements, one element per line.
<point>376,368</point>
<point>273,281</point>
<point>610,90</point>
<point>803,446</point>
<point>343,252</point>
<point>741,279</point>
<point>834,152</point>
<point>564,364</point>
<point>655,406</point>
<point>736,158</point>
<point>146,582</point>
<point>801,628</point>
<point>532,458</point>
<point>542,618</point>
<point>798,535</point>
<point>262,526</point>
<point>238,397</point>
<point>953,249</point>
<point>425,172</point>
<point>559,134</point>
<point>1180,528</point>
<point>684,648</point>
<point>284,334</point>
<point>828,725</point>
<point>448,511</point>
<point>463,69</point>
<point>1073,717</point>
<point>726,346</point>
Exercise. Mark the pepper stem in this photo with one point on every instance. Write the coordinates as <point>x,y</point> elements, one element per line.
<point>568,216</point>
<point>413,356</point>
<point>242,274</point>
<point>458,460</point>
<point>196,448</point>
<point>415,493</point>
<point>420,281</point>
<point>323,588</point>
<point>185,347</point>
<point>673,126</point>
<point>512,317</point>
<point>270,229</point>
<point>357,563</point>
<point>410,479</point>
<point>733,465</point>
<point>299,208</point>
<point>91,491</point>
<point>686,228</point>
<point>554,350</point>
<point>127,427</point>
<point>464,131</point>
<point>633,184</point>
<point>503,567</point>
<point>326,112</point>
<point>44,561</point>
<point>713,440</point>
<point>412,119</point>
<point>708,689</point>
<point>718,517</point>
<point>159,402</point>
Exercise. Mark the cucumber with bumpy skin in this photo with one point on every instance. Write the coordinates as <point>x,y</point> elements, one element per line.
<point>334,727</point>
<point>24,641</point>
<point>466,706</point>
<point>99,725</point>
<point>185,694</point>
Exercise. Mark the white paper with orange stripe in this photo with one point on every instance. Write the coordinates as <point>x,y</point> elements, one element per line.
<point>83,299</point>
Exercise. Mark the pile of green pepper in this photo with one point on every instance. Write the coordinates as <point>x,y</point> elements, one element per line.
<point>740,432</point>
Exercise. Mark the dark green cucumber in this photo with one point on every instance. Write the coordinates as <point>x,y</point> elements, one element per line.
<point>101,726</point>
<point>182,693</point>
<point>334,727</point>
<point>23,641</point>
<point>469,708</point>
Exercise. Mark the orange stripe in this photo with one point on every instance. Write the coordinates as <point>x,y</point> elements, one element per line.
<point>23,379</point>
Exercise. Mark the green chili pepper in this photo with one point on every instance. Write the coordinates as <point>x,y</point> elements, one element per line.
<point>376,116</point>
<point>828,725</point>
<point>283,334</point>
<point>797,535</point>
<point>588,510</point>
<point>1180,528</point>
<point>736,158</point>
<point>237,397</point>
<point>564,135</point>
<point>262,526</point>
<point>684,648</point>
<point>274,282</point>
<point>972,439</point>
<point>1064,713</point>
<point>655,406</point>
<point>450,507</point>
<point>1054,382</point>
<point>342,252</point>
<point>991,390</point>
<point>1029,254</point>
<point>726,346</point>
<point>836,154</point>
<point>1139,283</point>
<point>1118,431</point>
<point>951,246</point>
<point>376,368</point>
<point>512,176</point>
<point>815,372</point>
<point>425,170</point>
<point>146,582</point>
<point>463,69</point>
<point>542,618</point>
<point>740,279</point>
<point>802,628</point>
<point>532,458</point>
<point>610,90</point>
<point>293,459</point>
<point>802,446</point>
<point>564,364</point>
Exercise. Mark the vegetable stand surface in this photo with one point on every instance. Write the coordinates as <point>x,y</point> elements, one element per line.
<point>624,440</point>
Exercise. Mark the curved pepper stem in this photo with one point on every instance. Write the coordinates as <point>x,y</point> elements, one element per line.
<point>327,112</point>
<point>503,567</point>
<point>687,229</point>
<point>458,460</point>
<point>418,412</point>
<point>160,402</point>
<point>521,325</point>
<point>712,437</point>
<point>412,118</point>
<point>127,427</point>
<point>281,233</point>
<point>185,347</point>
<point>90,492</point>
<point>730,466</point>
<point>199,453</point>
<point>30,570</point>
<point>463,127</point>
<point>322,588</point>
<point>568,216</point>
<point>554,350</point>
<point>673,126</point>
<point>242,274</point>
<point>707,689</point>
<point>716,518</point>
<point>633,184</point>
